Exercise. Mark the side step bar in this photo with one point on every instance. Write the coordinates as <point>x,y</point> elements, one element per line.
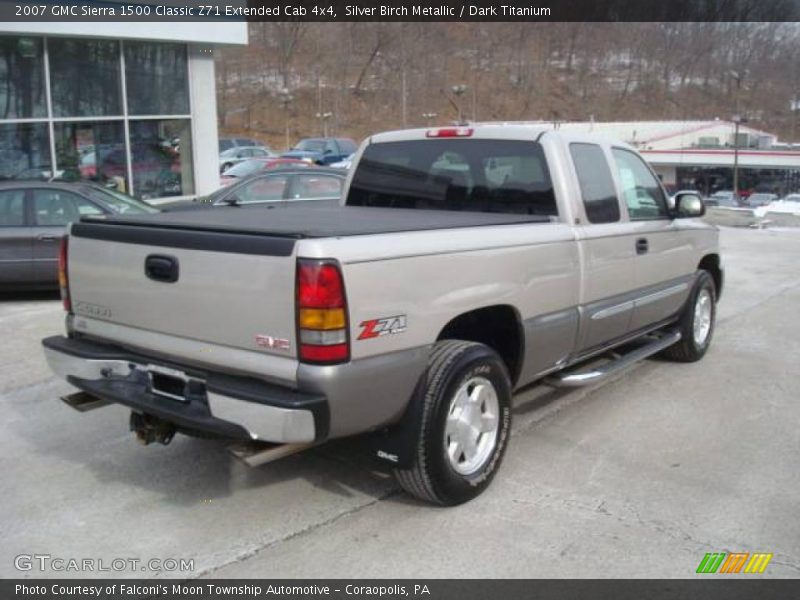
<point>83,402</point>
<point>583,378</point>
<point>254,454</point>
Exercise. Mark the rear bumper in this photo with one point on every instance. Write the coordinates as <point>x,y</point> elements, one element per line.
<point>213,403</point>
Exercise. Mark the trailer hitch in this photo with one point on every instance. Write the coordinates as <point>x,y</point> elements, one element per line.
<point>151,429</point>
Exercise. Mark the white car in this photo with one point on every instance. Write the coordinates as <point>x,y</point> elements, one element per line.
<point>234,156</point>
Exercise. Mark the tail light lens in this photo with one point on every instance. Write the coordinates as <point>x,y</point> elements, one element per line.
<point>321,313</point>
<point>449,132</point>
<point>63,276</point>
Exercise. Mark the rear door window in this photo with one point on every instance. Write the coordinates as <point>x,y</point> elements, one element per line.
<point>597,187</point>
<point>262,189</point>
<point>504,176</point>
<point>316,187</point>
<point>52,208</point>
<point>12,208</point>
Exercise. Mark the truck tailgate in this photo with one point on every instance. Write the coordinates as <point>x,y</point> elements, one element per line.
<point>231,290</point>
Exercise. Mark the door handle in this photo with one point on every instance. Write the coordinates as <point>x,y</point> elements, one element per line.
<point>47,237</point>
<point>159,267</point>
<point>642,246</point>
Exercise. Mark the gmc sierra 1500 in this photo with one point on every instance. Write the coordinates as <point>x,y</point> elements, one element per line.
<point>463,263</point>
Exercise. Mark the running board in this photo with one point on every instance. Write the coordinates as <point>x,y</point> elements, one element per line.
<point>583,378</point>
<point>254,454</point>
<point>83,402</point>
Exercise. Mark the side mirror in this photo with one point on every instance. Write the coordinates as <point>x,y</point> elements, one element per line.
<point>688,205</point>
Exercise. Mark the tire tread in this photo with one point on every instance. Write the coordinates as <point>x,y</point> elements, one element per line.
<point>416,479</point>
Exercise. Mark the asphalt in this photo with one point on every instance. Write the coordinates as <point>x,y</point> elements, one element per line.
<point>639,477</point>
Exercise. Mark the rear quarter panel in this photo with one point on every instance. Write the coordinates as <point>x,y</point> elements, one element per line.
<point>428,278</point>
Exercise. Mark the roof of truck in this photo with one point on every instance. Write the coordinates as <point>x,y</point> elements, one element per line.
<point>495,131</point>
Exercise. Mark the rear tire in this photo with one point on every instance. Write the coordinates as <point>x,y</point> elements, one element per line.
<point>466,420</point>
<point>697,321</point>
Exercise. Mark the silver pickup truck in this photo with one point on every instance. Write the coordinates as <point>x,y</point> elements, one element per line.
<point>463,264</point>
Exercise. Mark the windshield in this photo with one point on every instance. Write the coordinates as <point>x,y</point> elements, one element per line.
<point>118,202</point>
<point>247,167</point>
<point>455,174</point>
<point>311,146</point>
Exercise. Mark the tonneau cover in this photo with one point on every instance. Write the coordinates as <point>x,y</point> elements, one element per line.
<point>315,221</point>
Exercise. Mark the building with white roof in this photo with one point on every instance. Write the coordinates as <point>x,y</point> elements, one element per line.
<point>702,153</point>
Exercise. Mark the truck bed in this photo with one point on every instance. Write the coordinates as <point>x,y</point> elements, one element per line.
<point>299,222</point>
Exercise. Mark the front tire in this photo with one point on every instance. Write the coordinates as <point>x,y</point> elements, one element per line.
<point>697,321</point>
<point>466,420</point>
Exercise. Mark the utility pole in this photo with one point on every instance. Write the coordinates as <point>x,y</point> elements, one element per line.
<point>737,120</point>
<point>286,100</point>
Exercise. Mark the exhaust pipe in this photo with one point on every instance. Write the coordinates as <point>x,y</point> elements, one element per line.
<point>83,402</point>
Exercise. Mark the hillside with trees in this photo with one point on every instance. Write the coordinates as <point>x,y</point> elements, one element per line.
<point>351,79</point>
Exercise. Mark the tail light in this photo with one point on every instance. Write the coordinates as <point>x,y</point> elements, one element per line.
<point>321,313</point>
<point>63,276</point>
<point>449,132</point>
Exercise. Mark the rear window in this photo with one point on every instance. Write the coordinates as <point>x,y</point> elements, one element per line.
<point>450,174</point>
<point>12,208</point>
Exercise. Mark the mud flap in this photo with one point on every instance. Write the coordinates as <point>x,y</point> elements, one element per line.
<point>395,446</point>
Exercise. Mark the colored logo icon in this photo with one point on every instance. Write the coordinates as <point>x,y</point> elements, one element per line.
<point>734,562</point>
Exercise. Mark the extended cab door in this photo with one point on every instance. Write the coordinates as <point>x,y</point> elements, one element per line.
<point>664,257</point>
<point>52,210</point>
<point>608,249</point>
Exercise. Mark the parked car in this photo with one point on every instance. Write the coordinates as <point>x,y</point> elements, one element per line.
<point>33,215</point>
<point>234,156</point>
<point>288,183</point>
<point>723,198</point>
<point>411,311</point>
<point>231,142</point>
<point>760,199</point>
<point>322,151</point>
<point>254,165</point>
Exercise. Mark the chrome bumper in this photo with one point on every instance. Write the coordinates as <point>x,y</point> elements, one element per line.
<point>129,382</point>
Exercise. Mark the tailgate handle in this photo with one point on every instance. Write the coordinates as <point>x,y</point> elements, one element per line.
<point>160,267</point>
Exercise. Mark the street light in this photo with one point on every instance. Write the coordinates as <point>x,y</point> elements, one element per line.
<point>324,116</point>
<point>286,99</point>
<point>459,90</point>
<point>429,116</point>
<point>737,120</point>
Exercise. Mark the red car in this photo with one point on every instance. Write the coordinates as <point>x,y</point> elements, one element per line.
<point>254,165</point>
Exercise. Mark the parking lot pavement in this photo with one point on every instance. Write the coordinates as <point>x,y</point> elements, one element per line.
<point>637,478</point>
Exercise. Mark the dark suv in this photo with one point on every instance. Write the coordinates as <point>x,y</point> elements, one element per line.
<point>323,151</point>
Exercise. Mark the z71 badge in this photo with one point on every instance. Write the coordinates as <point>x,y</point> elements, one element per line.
<point>379,327</point>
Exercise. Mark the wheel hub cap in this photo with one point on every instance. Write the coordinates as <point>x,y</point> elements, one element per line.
<point>702,317</point>
<point>472,425</point>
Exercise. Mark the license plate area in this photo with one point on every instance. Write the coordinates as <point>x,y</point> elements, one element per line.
<point>169,383</point>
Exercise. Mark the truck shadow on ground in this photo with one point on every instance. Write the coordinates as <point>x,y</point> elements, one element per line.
<point>188,471</point>
<point>191,470</point>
